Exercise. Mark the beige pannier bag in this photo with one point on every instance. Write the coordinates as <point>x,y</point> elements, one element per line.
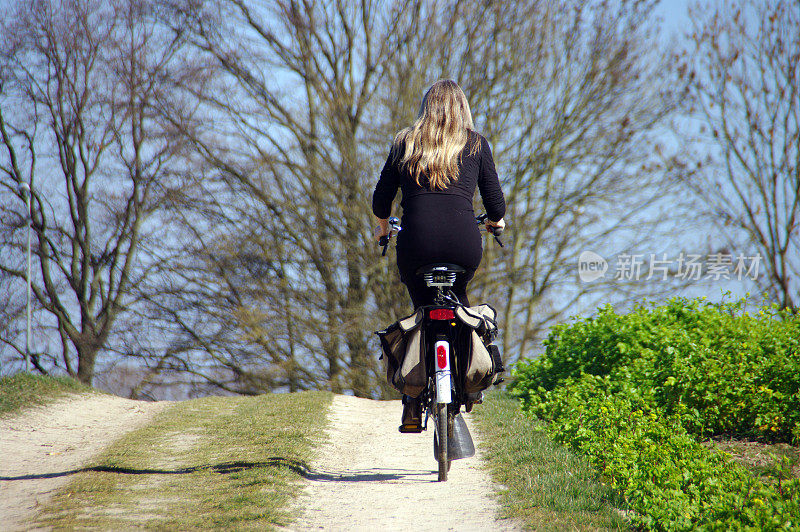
<point>484,362</point>
<point>405,359</point>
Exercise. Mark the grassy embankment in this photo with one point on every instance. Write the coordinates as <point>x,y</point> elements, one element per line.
<point>549,487</point>
<point>546,485</point>
<point>687,414</point>
<point>678,407</point>
<point>25,390</point>
<point>211,463</point>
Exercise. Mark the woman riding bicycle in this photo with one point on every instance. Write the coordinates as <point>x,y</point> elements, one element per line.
<point>438,162</point>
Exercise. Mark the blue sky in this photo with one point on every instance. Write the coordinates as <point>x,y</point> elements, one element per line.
<point>675,14</point>
<point>676,23</point>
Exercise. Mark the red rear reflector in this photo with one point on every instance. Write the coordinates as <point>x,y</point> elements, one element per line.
<point>442,314</point>
<point>441,356</point>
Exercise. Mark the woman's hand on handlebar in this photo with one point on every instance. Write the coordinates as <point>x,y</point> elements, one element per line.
<point>382,229</point>
<point>492,227</point>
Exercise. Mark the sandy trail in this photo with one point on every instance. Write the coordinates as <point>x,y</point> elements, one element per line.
<point>367,476</point>
<point>370,477</point>
<point>40,449</point>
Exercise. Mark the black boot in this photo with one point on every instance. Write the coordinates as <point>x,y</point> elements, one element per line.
<point>412,415</point>
<point>473,399</point>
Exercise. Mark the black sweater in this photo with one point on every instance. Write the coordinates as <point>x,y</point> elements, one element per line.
<point>477,169</point>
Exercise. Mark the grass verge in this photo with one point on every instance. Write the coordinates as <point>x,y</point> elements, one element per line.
<point>770,463</point>
<point>24,390</point>
<point>211,463</point>
<point>546,485</point>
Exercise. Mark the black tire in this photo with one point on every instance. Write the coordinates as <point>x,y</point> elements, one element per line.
<point>442,432</point>
<point>451,418</point>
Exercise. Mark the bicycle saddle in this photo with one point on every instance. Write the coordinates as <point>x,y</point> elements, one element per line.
<point>440,274</point>
<point>440,267</point>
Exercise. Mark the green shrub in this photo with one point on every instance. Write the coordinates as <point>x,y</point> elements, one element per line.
<point>634,392</point>
<point>668,479</point>
<point>722,371</point>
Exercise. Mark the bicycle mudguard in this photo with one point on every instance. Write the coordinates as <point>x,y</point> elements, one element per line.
<point>461,444</point>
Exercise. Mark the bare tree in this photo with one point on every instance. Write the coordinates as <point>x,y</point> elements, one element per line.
<point>573,98</point>
<point>745,163</point>
<point>82,95</point>
<point>307,99</point>
<point>291,177</point>
<point>249,256</point>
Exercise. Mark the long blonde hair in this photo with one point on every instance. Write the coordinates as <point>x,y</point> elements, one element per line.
<point>431,148</point>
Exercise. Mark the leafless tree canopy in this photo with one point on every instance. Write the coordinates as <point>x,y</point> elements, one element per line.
<point>202,172</point>
<point>312,94</point>
<point>745,69</point>
<point>82,91</point>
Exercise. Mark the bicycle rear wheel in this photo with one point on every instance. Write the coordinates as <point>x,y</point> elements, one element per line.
<point>441,434</point>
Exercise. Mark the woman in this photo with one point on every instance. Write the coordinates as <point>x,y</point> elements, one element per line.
<point>437,162</point>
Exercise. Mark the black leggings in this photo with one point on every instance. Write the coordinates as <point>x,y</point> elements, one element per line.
<point>437,228</point>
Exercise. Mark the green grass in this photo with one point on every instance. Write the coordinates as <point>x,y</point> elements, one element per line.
<point>545,485</point>
<point>767,462</point>
<point>211,463</point>
<point>24,390</point>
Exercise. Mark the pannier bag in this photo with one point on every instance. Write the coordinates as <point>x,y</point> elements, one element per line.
<point>484,363</point>
<point>402,347</point>
<point>405,360</point>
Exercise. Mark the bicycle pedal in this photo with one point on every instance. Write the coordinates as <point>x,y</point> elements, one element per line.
<point>410,429</point>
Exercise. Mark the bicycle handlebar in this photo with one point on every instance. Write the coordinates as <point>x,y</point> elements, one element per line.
<point>493,230</point>
<point>384,241</point>
<point>394,227</point>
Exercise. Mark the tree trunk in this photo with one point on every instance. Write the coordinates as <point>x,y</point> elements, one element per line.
<point>86,362</point>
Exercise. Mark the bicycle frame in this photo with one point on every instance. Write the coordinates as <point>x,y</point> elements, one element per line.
<point>443,352</point>
<point>446,351</point>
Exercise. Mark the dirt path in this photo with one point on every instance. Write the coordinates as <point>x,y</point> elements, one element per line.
<point>371,477</point>
<point>41,449</point>
<point>367,477</point>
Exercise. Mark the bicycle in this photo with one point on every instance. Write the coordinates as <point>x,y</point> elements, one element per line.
<point>445,356</point>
